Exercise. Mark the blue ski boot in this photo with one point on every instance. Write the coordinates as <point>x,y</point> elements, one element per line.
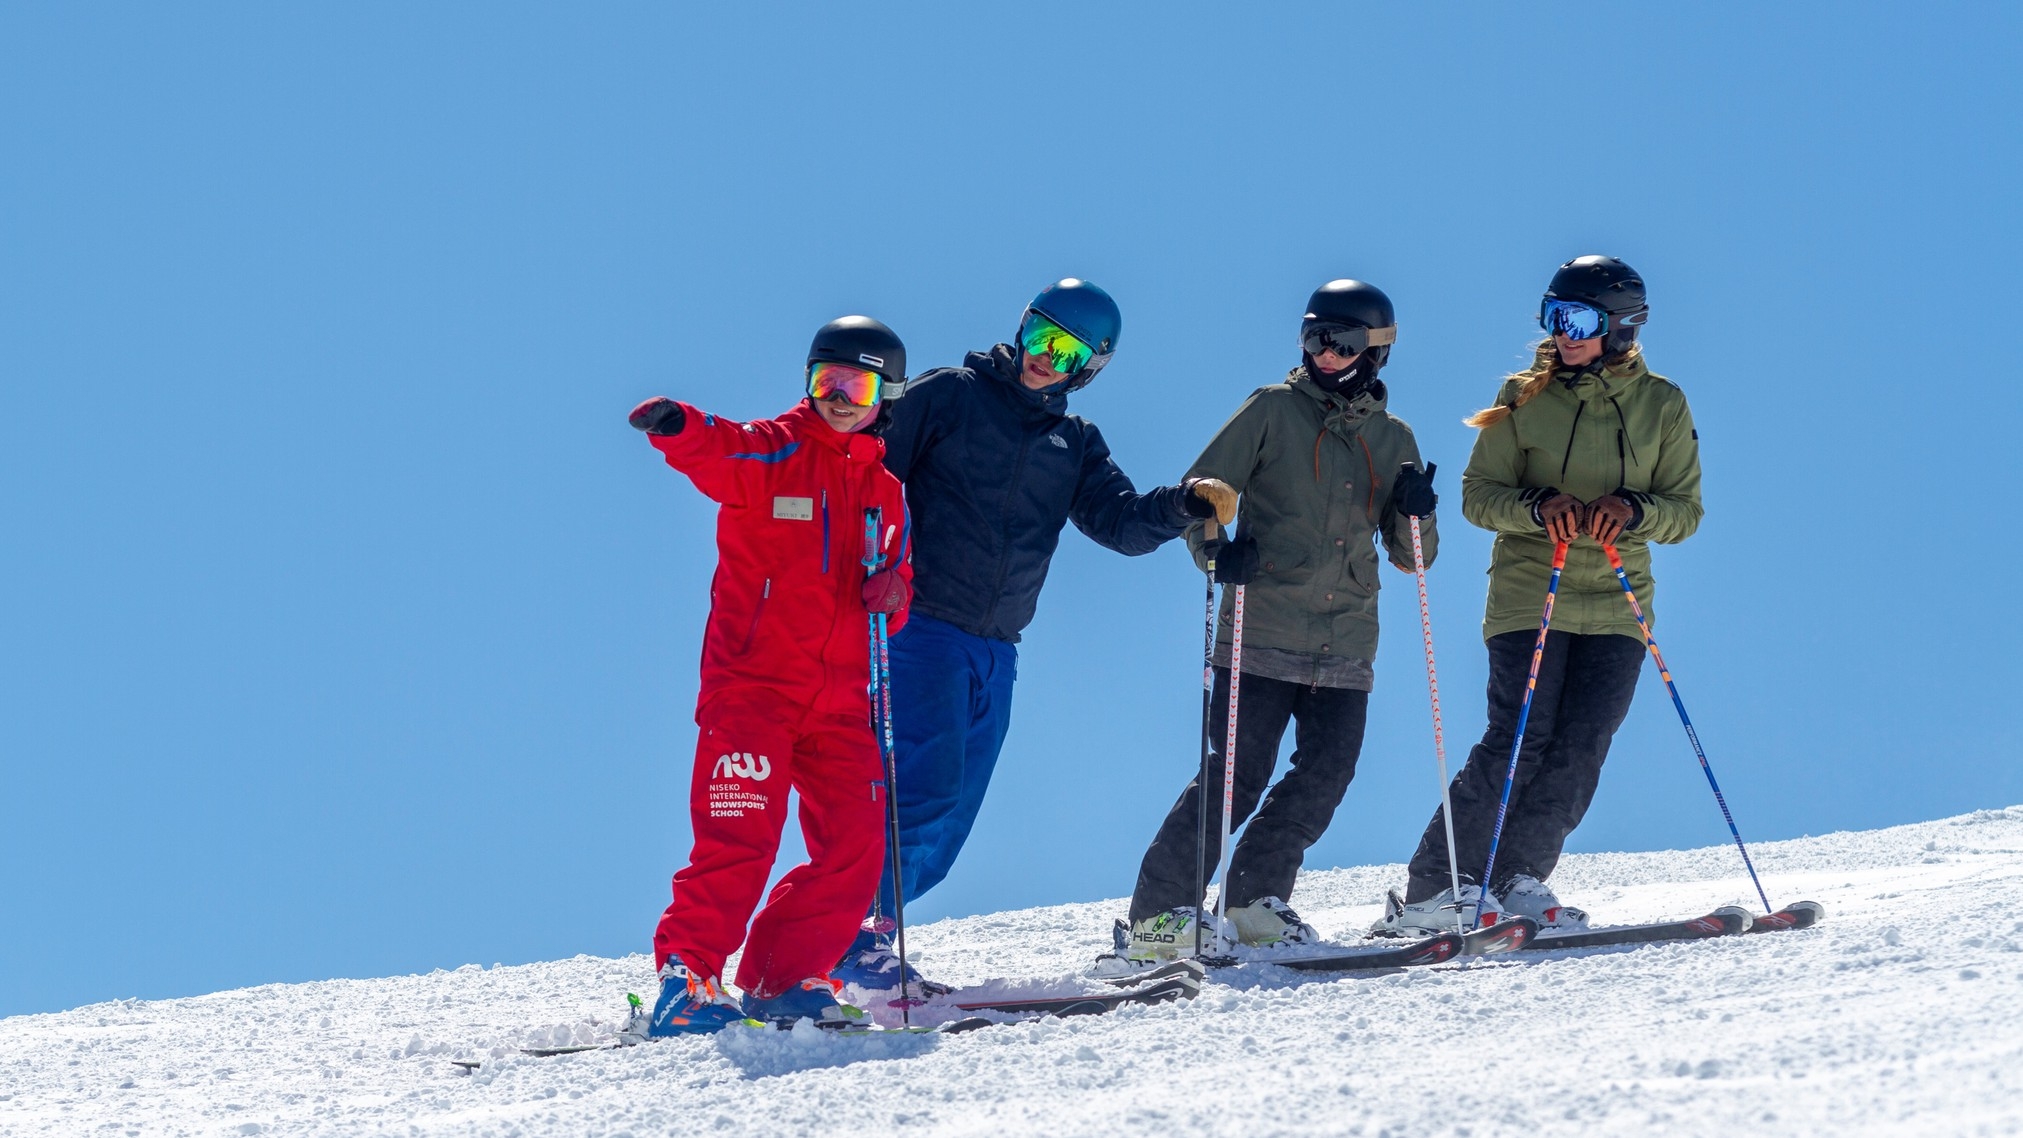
<point>871,967</point>
<point>688,1005</point>
<point>814,999</point>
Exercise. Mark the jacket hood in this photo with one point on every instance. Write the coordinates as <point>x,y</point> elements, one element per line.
<point>1001,362</point>
<point>1342,412</point>
<point>1597,382</point>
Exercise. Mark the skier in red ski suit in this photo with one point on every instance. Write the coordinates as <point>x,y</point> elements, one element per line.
<point>784,700</point>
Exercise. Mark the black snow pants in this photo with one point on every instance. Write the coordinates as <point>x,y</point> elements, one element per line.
<point>1585,684</point>
<point>1292,818</point>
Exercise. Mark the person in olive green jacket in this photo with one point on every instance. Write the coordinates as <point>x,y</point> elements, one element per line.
<point>1589,447</point>
<point>1325,472</point>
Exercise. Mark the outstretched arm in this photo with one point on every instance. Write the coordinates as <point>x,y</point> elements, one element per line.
<point>718,455</point>
<point>1110,510</point>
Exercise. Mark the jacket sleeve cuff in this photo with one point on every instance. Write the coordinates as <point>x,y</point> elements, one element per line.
<point>1636,509</point>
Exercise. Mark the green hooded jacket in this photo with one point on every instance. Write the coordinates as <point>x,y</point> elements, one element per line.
<point>1315,471</point>
<point>1588,433</point>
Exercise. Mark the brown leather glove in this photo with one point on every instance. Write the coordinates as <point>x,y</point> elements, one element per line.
<point>1608,516</point>
<point>1215,495</point>
<point>1562,515</point>
<point>886,591</point>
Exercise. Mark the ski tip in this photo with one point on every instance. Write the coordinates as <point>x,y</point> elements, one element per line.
<point>1797,915</point>
<point>1734,919</point>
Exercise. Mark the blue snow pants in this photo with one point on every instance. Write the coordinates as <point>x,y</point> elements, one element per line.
<point>951,707</point>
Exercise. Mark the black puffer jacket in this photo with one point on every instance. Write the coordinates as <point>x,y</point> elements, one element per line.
<point>993,470</point>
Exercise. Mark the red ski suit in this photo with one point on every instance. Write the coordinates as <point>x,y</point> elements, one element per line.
<point>784,700</point>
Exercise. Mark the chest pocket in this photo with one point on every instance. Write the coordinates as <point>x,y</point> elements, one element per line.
<point>1053,471</point>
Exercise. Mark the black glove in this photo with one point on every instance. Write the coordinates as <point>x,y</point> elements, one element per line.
<point>658,416</point>
<point>1237,563</point>
<point>1412,491</point>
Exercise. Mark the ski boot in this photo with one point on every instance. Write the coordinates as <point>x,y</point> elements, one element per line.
<point>1437,914</point>
<point>1527,896</point>
<point>871,969</point>
<point>1271,923</point>
<point>688,1005</point>
<point>811,999</point>
<point>1162,937</point>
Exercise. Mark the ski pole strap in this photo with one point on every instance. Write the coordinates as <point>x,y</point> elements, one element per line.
<point>1692,736</point>
<point>1523,717</point>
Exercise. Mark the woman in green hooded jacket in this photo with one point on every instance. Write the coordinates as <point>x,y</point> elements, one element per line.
<point>1589,447</point>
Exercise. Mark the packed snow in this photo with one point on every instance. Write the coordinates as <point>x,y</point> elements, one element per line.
<point>1895,1016</point>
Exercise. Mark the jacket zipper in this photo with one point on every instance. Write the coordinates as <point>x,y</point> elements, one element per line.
<point>765,594</point>
<point>1571,432</point>
<point>825,531</point>
<point>1003,523</point>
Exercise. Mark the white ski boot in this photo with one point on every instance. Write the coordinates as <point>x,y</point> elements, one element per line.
<point>1437,914</point>
<point>1271,923</point>
<point>1160,938</point>
<point>1527,896</point>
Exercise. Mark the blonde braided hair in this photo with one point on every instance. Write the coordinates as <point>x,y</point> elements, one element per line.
<point>1532,380</point>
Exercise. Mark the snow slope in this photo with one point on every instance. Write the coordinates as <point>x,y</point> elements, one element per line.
<point>1893,1017</point>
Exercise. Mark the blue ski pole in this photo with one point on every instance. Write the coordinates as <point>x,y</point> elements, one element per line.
<point>1616,562</point>
<point>881,712</point>
<point>1517,744</point>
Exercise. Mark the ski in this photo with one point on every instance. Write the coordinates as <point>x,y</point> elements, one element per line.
<point>1503,936</point>
<point>1797,915</point>
<point>1432,950</point>
<point>1092,1003</point>
<point>1728,920</point>
<point>1186,966</point>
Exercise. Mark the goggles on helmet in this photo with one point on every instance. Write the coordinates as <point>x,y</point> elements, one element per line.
<point>856,386</point>
<point>1040,336</point>
<point>1345,340</point>
<point>1572,319</point>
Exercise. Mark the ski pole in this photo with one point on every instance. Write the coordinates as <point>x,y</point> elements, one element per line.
<point>1211,545</point>
<point>1523,717</point>
<point>881,710</point>
<point>1439,738</point>
<point>1229,757</point>
<point>1616,563</point>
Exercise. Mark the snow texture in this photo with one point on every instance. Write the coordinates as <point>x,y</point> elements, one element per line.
<point>1893,1017</point>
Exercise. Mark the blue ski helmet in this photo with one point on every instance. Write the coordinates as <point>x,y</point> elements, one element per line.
<point>1088,313</point>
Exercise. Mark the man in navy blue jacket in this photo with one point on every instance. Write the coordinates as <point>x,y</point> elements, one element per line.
<point>994,467</point>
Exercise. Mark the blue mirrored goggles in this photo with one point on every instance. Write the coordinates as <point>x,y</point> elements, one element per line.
<point>1572,319</point>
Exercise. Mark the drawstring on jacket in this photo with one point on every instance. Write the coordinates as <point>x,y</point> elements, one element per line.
<point>1368,461</point>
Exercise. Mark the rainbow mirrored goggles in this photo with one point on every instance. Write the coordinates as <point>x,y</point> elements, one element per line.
<point>1065,353</point>
<point>853,385</point>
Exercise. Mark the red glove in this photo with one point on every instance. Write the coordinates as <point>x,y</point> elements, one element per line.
<point>886,591</point>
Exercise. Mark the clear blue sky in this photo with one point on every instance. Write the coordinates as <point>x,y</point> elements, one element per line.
<point>348,629</point>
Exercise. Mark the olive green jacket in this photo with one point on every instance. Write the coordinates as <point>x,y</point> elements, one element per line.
<point>1315,472</point>
<point>1588,433</point>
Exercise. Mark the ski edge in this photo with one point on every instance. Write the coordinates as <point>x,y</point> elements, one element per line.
<point>1092,1003</point>
<point>1728,920</point>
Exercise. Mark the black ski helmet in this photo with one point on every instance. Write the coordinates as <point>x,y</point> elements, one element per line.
<point>1607,284</point>
<point>1357,304</point>
<point>860,341</point>
<point>1089,315</point>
